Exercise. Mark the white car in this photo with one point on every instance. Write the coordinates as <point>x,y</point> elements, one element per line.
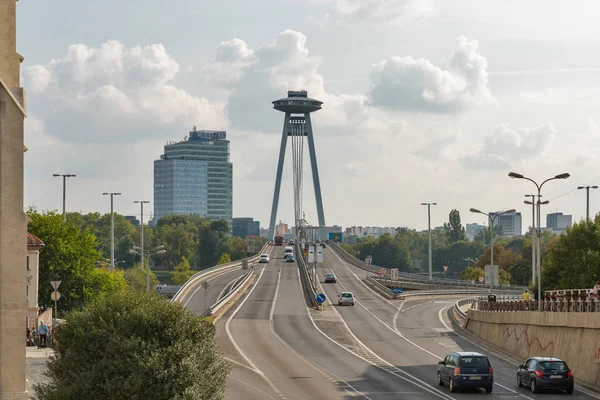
<point>264,258</point>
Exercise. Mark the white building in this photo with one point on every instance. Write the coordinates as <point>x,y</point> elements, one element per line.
<point>473,230</point>
<point>511,223</point>
<point>558,222</point>
<point>34,245</point>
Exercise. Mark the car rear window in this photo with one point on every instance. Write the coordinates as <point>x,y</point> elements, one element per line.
<point>553,365</point>
<point>346,294</point>
<point>474,362</point>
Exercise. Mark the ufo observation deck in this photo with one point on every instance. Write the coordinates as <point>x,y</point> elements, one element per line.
<point>297,102</point>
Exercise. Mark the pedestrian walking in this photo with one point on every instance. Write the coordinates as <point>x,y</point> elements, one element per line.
<point>43,331</point>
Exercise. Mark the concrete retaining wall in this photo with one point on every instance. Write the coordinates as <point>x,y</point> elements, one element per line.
<point>572,337</point>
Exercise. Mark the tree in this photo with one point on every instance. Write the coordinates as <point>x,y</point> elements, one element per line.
<point>69,256</point>
<point>454,228</point>
<point>134,346</point>
<point>472,274</point>
<point>572,260</point>
<point>456,256</point>
<point>386,251</point>
<point>103,281</point>
<point>225,259</point>
<point>136,278</point>
<point>183,272</point>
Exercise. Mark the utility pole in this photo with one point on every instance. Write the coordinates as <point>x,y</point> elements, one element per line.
<point>533,235</point>
<point>142,202</point>
<point>65,176</point>
<point>429,230</point>
<point>112,229</point>
<point>587,202</point>
<point>13,221</point>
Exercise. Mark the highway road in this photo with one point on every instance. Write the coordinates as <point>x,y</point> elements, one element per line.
<point>380,350</point>
<point>413,335</point>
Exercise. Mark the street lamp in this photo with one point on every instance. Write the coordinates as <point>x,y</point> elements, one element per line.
<point>65,176</point>
<point>112,229</point>
<point>539,228</point>
<point>142,202</point>
<point>147,253</point>
<point>492,219</point>
<point>533,230</point>
<point>587,203</point>
<point>429,230</point>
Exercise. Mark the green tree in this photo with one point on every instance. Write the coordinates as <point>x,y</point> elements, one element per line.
<point>454,228</point>
<point>70,256</point>
<point>456,256</point>
<point>225,259</point>
<point>103,281</point>
<point>236,247</point>
<point>180,240</point>
<point>386,251</point>
<point>143,348</point>
<point>472,274</point>
<point>183,272</point>
<point>485,235</point>
<point>136,278</point>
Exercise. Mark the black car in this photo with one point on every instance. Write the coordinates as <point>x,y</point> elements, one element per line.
<point>466,369</point>
<point>330,278</point>
<point>545,373</point>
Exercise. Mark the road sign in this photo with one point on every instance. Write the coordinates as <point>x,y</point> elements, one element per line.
<point>321,298</point>
<point>481,279</point>
<point>383,271</point>
<point>311,254</point>
<point>319,254</point>
<point>397,290</point>
<point>394,274</point>
<point>244,264</point>
<point>55,296</point>
<point>368,261</point>
<point>445,268</point>
<point>159,288</point>
<point>205,285</point>
<point>55,284</point>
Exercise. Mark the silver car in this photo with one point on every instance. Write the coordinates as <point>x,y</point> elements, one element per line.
<point>345,298</point>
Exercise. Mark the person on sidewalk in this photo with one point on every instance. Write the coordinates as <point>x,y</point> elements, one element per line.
<point>43,331</point>
<point>525,296</point>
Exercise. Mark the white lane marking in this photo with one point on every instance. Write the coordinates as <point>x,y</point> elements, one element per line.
<point>253,387</point>
<point>231,360</point>
<point>415,381</point>
<point>275,297</point>
<point>397,332</point>
<point>237,347</point>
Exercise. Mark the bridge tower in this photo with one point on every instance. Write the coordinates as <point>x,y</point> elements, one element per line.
<point>297,107</point>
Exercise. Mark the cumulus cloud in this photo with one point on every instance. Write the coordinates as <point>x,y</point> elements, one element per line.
<point>382,10</point>
<point>506,146</point>
<point>409,84</point>
<point>95,94</point>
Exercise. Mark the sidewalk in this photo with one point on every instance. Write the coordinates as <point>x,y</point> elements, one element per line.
<point>36,365</point>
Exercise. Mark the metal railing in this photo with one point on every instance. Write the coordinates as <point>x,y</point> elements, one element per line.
<point>555,305</point>
<point>194,279</point>
<point>344,255</point>
<point>306,278</point>
<point>233,289</point>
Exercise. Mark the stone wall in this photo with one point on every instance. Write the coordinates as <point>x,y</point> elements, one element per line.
<point>572,337</point>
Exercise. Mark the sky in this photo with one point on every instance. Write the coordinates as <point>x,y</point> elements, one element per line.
<point>424,101</point>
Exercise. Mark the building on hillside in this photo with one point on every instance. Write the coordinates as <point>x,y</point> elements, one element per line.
<point>558,222</point>
<point>511,223</point>
<point>195,176</point>
<point>245,227</point>
<point>34,245</point>
<point>473,230</point>
<point>133,219</point>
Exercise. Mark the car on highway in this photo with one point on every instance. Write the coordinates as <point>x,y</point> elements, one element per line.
<point>345,298</point>
<point>466,369</point>
<point>287,255</point>
<point>291,258</point>
<point>539,373</point>
<point>330,278</point>
<point>264,258</point>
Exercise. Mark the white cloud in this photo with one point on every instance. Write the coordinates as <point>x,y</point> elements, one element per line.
<point>546,96</point>
<point>382,10</point>
<point>408,84</point>
<point>506,147</point>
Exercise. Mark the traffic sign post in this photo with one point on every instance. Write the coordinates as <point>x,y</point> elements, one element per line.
<point>321,298</point>
<point>445,270</point>
<point>383,272</point>
<point>397,290</point>
<point>394,273</point>
<point>55,296</point>
<point>368,261</point>
<point>205,285</point>
<point>481,279</point>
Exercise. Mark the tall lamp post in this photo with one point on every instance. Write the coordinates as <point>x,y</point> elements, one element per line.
<point>587,202</point>
<point>65,176</point>
<point>492,219</point>
<point>533,230</point>
<point>141,203</point>
<point>112,229</point>
<point>429,230</point>
<point>147,253</point>
<point>515,175</point>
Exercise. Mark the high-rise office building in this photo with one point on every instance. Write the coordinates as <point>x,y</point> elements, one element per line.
<point>558,222</point>
<point>245,227</point>
<point>511,223</point>
<point>473,230</point>
<point>195,176</point>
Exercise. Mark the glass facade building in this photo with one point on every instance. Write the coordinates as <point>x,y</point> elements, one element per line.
<point>195,176</point>
<point>245,227</point>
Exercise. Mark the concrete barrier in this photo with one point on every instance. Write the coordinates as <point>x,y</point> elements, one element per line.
<point>572,337</point>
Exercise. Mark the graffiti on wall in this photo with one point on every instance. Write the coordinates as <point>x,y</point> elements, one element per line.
<point>530,340</point>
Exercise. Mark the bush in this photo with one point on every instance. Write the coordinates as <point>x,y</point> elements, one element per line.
<point>134,346</point>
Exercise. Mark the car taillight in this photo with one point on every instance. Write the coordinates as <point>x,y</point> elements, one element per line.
<point>457,371</point>
<point>491,371</point>
<point>539,373</point>
<point>569,373</point>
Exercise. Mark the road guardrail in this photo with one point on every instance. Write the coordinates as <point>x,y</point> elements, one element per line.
<point>230,293</point>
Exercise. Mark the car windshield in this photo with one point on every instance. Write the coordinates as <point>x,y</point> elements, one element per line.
<point>553,365</point>
<point>474,362</point>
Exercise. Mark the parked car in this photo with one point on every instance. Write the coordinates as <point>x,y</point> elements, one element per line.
<point>345,298</point>
<point>545,373</point>
<point>465,369</point>
<point>291,258</point>
<point>330,278</point>
<point>264,258</point>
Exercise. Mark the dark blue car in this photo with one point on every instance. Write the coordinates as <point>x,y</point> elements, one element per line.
<point>545,373</point>
<point>465,369</point>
